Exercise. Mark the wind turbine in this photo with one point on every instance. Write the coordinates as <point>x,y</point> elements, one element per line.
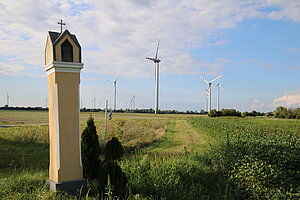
<point>209,89</point>
<point>156,64</point>
<point>115,94</point>
<point>218,95</point>
<point>7,100</point>
<point>206,100</point>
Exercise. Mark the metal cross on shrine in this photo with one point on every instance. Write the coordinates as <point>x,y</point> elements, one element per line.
<point>61,25</point>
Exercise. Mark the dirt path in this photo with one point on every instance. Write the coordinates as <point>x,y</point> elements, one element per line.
<point>182,139</point>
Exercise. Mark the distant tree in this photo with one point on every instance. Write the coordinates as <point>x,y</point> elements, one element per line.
<point>297,113</point>
<point>269,114</point>
<point>90,150</point>
<point>245,114</point>
<point>280,112</point>
<point>231,112</point>
<point>214,113</point>
<point>291,113</point>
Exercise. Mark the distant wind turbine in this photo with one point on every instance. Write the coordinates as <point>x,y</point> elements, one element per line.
<point>206,99</point>
<point>115,94</point>
<point>7,100</point>
<point>209,89</point>
<point>94,102</point>
<point>218,95</point>
<point>156,64</point>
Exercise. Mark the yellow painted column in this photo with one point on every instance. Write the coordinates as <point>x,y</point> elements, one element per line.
<point>65,170</point>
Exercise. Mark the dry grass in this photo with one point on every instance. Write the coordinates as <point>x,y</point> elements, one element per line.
<point>133,133</point>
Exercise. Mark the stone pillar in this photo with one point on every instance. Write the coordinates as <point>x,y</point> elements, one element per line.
<point>65,170</point>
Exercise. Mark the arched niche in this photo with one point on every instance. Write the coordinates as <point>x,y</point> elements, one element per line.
<point>66,51</point>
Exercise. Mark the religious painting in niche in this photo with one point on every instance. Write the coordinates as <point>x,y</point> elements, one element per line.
<point>66,51</point>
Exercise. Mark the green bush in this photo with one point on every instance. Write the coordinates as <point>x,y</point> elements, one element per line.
<point>112,171</point>
<point>231,112</point>
<point>215,113</point>
<point>113,150</point>
<point>90,150</point>
<point>291,113</point>
<point>118,179</point>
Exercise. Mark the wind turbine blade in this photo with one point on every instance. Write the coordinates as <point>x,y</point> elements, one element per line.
<point>221,87</point>
<point>204,79</point>
<point>153,59</point>
<point>117,78</point>
<point>157,50</point>
<point>109,81</point>
<point>216,85</point>
<point>216,78</point>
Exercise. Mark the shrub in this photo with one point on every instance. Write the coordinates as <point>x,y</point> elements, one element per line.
<point>90,150</point>
<point>118,179</point>
<point>214,113</point>
<point>291,113</point>
<point>110,168</point>
<point>231,112</point>
<point>113,150</point>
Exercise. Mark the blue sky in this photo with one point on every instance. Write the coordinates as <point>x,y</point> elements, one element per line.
<point>255,45</point>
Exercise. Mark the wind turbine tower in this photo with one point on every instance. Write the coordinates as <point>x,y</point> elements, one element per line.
<point>209,89</point>
<point>156,65</point>
<point>206,100</point>
<point>7,100</point>
<point>218,95</point>
<point>115,92</point>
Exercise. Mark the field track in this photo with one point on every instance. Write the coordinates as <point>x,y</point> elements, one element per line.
<point>181,138</point>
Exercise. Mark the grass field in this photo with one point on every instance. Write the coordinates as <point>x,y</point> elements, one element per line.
<point>168,156</point>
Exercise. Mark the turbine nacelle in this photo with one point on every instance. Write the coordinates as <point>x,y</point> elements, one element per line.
<point>155,60</point>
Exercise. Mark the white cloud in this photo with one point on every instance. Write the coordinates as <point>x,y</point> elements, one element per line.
<point>257,105</point>
<point>295,67</point>
<point>270,65</point>
<point>289,99</point>
<point>16,70</point>
<point>11,69</point>
<point>123,33</point>
<point>287,9</point>
<point>294,50</point>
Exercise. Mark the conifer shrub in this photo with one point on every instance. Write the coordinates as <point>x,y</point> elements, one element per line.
<point>113,150</point>
<point>110,168</point>
<point>90,150</point>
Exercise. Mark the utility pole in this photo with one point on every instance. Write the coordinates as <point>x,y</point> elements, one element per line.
<point>115,96</point>
<point>133,101</point>
<point>105,122</point>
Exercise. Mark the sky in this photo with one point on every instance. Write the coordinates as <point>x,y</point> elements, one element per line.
<point>253,44</point>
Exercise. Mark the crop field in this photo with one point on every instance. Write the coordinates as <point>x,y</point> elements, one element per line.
<point>167,156</point>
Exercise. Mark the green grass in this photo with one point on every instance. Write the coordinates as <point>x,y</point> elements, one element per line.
<point>260,157</point>
<point>175,157</point>
<point>180,138</point>
<point>39,117</point>
<point>170,176</point>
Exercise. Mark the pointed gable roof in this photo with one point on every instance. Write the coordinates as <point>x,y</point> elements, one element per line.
<point>56,37</point>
